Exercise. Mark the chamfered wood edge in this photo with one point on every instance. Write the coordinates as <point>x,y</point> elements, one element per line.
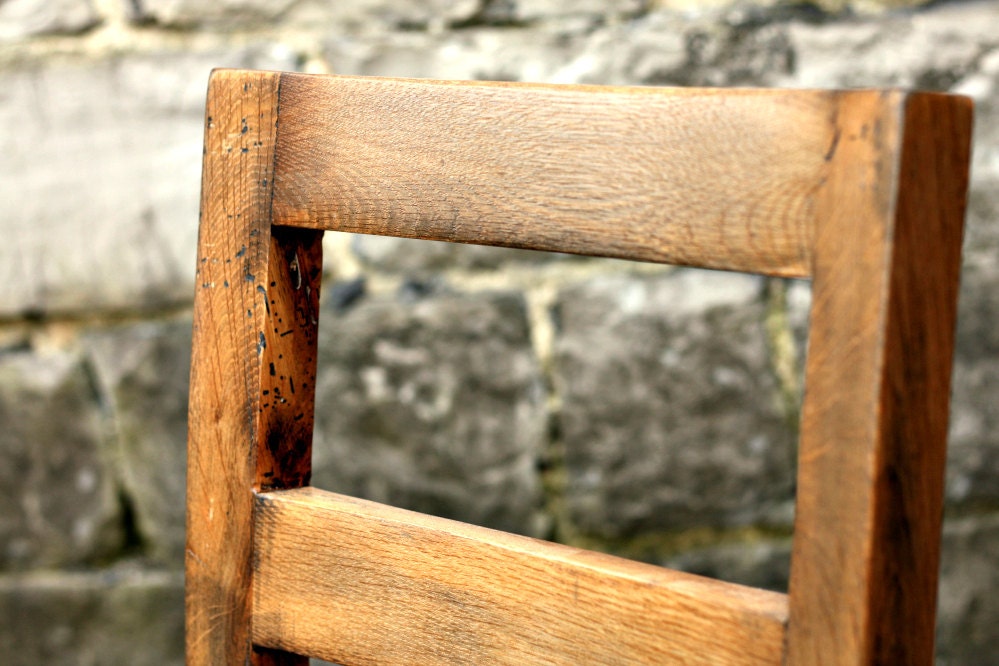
<point>326,567</point>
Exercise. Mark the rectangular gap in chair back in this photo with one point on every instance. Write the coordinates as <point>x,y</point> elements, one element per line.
<point>712,178</point>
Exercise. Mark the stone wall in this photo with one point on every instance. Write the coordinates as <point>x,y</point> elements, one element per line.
<point>638,409</point>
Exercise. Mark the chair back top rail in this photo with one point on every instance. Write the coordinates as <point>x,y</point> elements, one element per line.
<point>713,178</point>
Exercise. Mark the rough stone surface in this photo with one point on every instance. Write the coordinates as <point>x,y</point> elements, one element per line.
<point>486,53</point>
<point>761,563</point>
<point>143,371</point>
<point>420,257</point>
<point>973,456</point>
<point>58,505</point>
<point>866,6</point>
<point>798,299</point>
<point>358,15</point>
<point>105,618</point>
<point>28,18</point>
<point>670,416</point>
<point>972,471</point>
<point>660,49</point>
<point>432,402</point>
<point>369,16</point>
<point>184,13</point>
<point>532,10</point>
<point>105,164</point>
<point>665,435</point>
<point>968,608</point>
<point>892,51</point>
<point>734,48</point>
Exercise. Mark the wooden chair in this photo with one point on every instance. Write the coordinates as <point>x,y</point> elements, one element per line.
<point>863,191</point>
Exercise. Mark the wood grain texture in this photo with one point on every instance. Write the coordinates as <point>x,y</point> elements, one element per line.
<point>874,423</point>
<point>715,178</point>
<point>865,190</point>
<point>288,358</point>
<point>241,268</point>
<point>287,369</point>
<point>356,582</point>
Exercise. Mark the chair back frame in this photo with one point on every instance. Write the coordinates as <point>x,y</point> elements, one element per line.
<point>863,191</point>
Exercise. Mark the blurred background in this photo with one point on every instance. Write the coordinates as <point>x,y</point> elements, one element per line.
<point>641,410</point>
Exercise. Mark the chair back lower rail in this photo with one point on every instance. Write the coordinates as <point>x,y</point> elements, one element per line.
<point>352,581</point>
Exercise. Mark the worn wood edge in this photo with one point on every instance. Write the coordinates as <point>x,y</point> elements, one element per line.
<point>780,240</point>
<point>233,244</point>
<point>241,268</point>
<point>680,91</point>
<point>845,583</point>
<point>447,592</point>
<point>831,549</point>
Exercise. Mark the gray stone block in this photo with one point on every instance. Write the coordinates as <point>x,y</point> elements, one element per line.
<point>981,247</point>
<point>764,563</point>
<point>798,306</point>
<point>27,18</point>
<point>144,371</point>
<point>737,48</point>
<point>670,416</point>
<point>432,402</point>
<point>104,618</point>
<point>354,16</point>
<point>533,10</point>
<point>894,50</point>
<point>413,256</point>
<point>188,13</point>
<point>968,609</point>
<point>370,16</point>
<point>661,48</point>
<point>866,7</point>
<point>58,504</point>
<point>981,242</point>
<point>100,181</point>
<point>486,53</point>
<point>973,455</point>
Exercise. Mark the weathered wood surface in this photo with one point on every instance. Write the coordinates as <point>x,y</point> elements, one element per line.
<point>716,178</point>
<point>865,190</point>
<point>356,582</point>
<point>874,424</point>
<point>246,428</point>
<point>288,358</point>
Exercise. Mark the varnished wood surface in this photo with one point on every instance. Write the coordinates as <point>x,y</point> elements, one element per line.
<point>356,582</point>
<point>874,424</point>
<point>715,178</point>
